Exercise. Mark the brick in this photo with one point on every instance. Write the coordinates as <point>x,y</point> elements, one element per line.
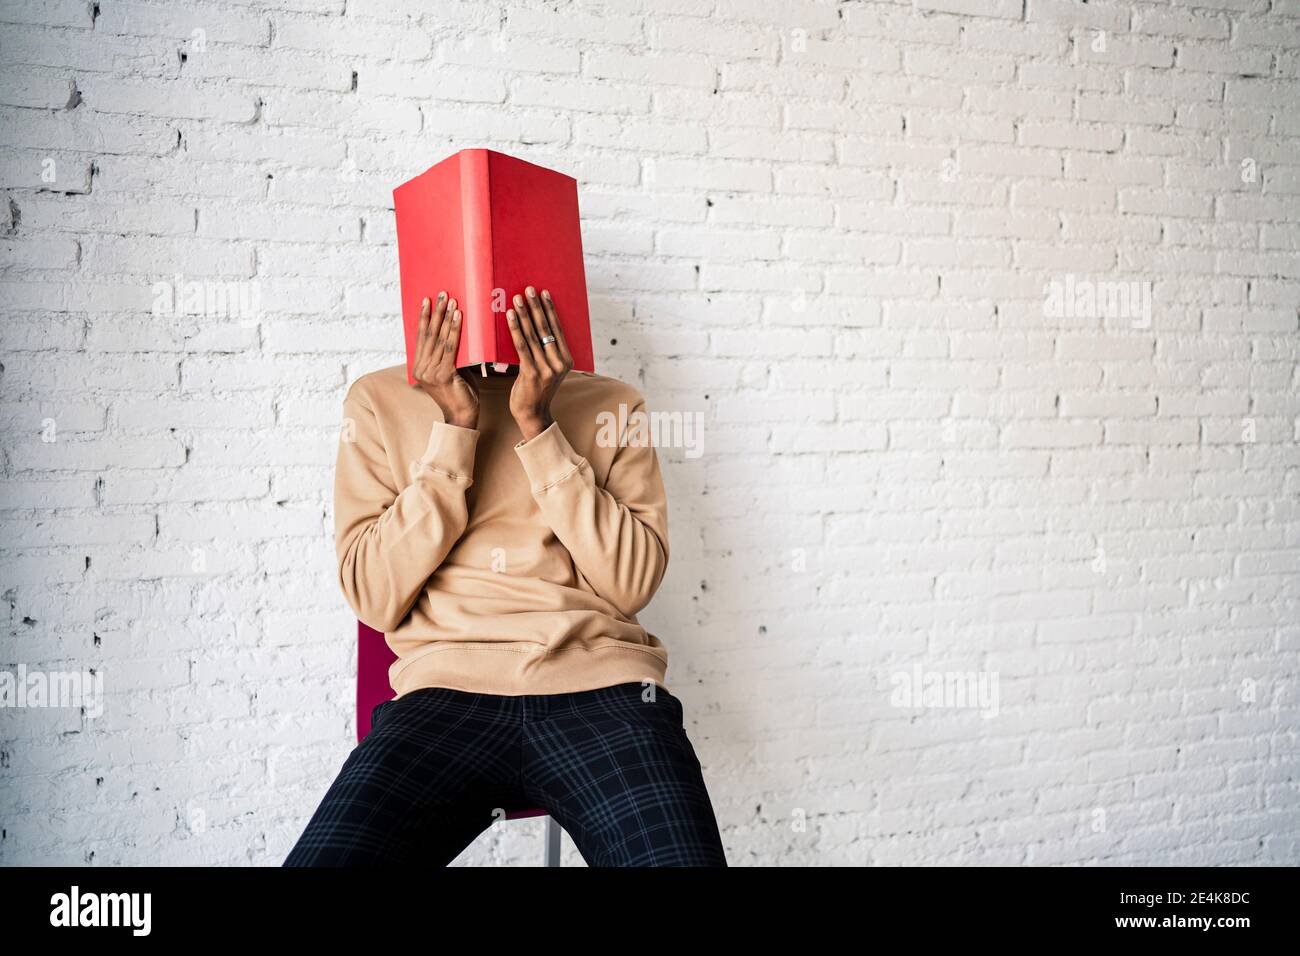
<point>999,9</point>
<point>174,99</point>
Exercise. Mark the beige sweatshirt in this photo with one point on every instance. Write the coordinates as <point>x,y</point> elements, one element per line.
<point>493,565</point>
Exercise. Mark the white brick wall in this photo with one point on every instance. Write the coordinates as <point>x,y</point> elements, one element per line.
<point>829,226</point>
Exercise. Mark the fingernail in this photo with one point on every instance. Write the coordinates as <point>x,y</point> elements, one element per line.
<point>519,300</point>
<point>426,301</point>
<point>532,293</point>
<point>510,316</point>
<point>546,294</point>
<point>441,296</point>
<point>457,317</point>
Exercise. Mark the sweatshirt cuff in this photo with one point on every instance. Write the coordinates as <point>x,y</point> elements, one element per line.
<point>451,450</point>
<point>548,458</point>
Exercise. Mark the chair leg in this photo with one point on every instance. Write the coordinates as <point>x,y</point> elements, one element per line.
<point>552,854</point>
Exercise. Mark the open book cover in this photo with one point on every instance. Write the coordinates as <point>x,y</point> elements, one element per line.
<point>483,225</point>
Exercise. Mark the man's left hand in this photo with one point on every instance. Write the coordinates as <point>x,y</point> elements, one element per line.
<point>542,364</point>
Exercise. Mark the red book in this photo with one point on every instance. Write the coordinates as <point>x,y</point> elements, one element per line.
<point>483,225</point>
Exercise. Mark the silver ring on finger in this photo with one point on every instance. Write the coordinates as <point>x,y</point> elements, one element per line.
<point>548,339</point>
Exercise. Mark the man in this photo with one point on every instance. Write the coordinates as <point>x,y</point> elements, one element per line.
<point>505,549</point>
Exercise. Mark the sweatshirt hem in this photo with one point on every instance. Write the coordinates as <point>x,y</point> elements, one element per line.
<point>521,668</point>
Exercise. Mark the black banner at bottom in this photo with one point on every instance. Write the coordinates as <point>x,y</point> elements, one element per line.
<point>1221,907</point>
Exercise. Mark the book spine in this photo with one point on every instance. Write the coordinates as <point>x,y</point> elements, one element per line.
<point>478,322</point>
<point>410,320</point>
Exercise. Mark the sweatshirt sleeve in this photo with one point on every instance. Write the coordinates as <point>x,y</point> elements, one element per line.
<point>618,534</point>
<point>388,542</point>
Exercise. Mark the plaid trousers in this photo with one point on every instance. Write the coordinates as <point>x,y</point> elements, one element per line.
<point>440,766</point>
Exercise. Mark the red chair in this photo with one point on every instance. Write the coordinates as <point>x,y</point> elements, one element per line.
<point>374,657</point>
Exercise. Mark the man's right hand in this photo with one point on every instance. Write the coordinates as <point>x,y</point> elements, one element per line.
<point>434,368</point>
